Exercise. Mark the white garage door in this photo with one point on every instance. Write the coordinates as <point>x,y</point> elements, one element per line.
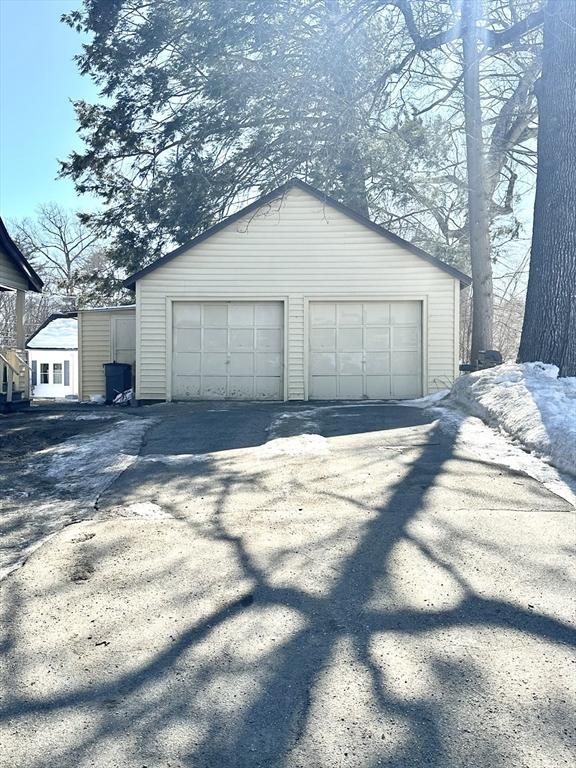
<point>365,350</point>
<point>227,350</point>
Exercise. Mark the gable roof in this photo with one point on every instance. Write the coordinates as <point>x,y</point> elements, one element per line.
<point>464,279</point>
<point>59,331</point>
<point>12,251</point>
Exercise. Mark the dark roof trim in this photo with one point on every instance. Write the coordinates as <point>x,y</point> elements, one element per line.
<point>55,316</point>
<point>16,256</point>
<point>464,279</point>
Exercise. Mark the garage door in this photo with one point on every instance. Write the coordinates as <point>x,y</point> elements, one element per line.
<point>365,350</point>
<point>227,350</point>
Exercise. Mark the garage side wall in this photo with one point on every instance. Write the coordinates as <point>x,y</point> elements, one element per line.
<point>298,250</point>
<point>96,346</point>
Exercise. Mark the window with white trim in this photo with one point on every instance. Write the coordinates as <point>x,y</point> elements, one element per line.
<point>44,373</point>
<point>57,373</point>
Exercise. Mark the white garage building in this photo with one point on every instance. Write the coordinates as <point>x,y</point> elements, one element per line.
<point>296,297</point>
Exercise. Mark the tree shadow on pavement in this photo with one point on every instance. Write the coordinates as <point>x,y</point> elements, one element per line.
<point>327,689</point>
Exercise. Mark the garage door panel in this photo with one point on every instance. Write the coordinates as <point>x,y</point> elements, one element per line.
<point>241,388</point>
<point>227,350</point>
<point>323,363</point>
<point>378,363</point>
<point>323,314</point>
<point>404,312</point>
<point>406,386</point>
<point>214,364</point>
<point>269,315</point>
<point>188,339</point>
<point>215,315</point>
<point>268,339</point>
<point>406,363</point>
<point>323,339</point>
<point>267,364</point>
<point>215,340</point>
<point>241,364</point>
<point>378,387</point>
<point>242,339</point>
<point>214,387</point>
<point>268,388</point>
<point>324,388</point>
<point>241,314</point>
<point>187,363</point>
<point>405,338</point>
<point>350,314</point>
<point>349,339</point>
<point>350,362</point>
<point>189,386</point>
<point>378,349</point>
<point>187,314</point>
<point>377,313</point>
<point>377,339</point>
<point>351,387</point>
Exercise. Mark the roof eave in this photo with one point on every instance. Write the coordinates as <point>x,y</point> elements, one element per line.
<point>34,281</point>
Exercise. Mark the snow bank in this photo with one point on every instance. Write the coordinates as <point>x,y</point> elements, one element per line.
<point>529,403</point>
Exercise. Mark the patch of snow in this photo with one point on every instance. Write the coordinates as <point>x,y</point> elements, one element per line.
<point>297,445</point>
<point>92,416</point>
<point>74,473</point>
<point>425,402</point>
<point>90,463</point>
<point>471,434</point>
<point>146,510</point>
<point>529,403</point>
<point>176,459</point>
<point>305,422</point>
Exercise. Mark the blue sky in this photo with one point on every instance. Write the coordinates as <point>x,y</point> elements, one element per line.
<point>37,125</point>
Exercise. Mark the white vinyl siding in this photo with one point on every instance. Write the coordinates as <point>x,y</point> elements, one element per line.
<point>297,250</point>
<point>101,335</point>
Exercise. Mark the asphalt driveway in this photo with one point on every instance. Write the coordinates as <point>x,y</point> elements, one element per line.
<point>337,585</point>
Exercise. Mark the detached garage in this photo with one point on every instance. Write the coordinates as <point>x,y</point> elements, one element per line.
<point>296,297</point>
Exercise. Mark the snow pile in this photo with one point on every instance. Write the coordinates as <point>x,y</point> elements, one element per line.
<point>529,403</point>
<point>87,464</point>
<point>296,445</point>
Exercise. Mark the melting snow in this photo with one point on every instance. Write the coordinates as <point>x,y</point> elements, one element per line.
<point>146,510</point>
<point>75,473</point>
<point>533,415</point>
<point>297,445</point>
<point>529,403</point>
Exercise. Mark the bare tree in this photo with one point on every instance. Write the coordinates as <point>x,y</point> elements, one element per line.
<point>61,245</point>
<point>481,36</point>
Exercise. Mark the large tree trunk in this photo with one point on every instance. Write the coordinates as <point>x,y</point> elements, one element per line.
<point>549,331</point>
<point>478,216</point>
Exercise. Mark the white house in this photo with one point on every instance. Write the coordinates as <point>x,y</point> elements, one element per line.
<point>295,297</point>
<point>53,357</point>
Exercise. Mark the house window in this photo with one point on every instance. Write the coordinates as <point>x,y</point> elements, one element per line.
<point>44,373</point>
<point>57,373</point>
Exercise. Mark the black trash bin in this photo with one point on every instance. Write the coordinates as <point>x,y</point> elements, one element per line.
<point>118,378</point>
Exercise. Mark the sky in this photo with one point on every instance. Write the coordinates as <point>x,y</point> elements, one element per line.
<point>38,77</point>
